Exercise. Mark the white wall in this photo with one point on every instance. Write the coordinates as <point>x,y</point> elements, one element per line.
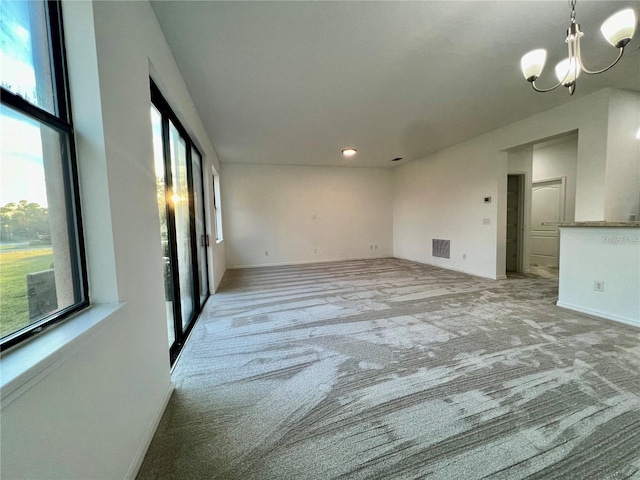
<point>623,157</point>
<point>272,208</point>
<point>440,196</point>
<point>609,255</point>
<point>92,411</point>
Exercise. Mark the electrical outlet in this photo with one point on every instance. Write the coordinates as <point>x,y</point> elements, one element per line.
<point>464,256</point>
<point>486,221</point>
<point>370,247</point>
<point>315,250</point>
<point>598,286</point>
<point>266,254</point>
<point>375,247</point>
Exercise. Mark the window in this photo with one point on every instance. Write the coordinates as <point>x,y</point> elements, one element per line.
<point>42,267</point>
<point>216,207</point>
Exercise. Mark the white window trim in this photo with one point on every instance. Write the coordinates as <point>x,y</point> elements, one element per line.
<point>31,361</point>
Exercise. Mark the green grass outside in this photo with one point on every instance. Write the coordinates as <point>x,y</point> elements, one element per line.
<point>14,267</point>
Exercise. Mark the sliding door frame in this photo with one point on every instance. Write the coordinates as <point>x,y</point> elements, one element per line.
<point>169,118</point>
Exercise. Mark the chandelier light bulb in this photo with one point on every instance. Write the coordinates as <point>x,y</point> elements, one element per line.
<point>567,71</point>
<point>532,63</point>
<point>619,27</point>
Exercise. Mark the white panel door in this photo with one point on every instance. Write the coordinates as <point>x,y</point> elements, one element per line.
<point>547,205</point>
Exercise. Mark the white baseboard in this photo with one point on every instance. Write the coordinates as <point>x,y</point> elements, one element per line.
<point>304,262</point>
<point>597,313</point>
<point>142,450</point>
<point>327,260</point>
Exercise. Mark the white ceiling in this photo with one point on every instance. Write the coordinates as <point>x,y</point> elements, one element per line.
<point>295,82</point>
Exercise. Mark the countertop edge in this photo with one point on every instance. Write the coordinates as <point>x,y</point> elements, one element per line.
<point>593,224</point>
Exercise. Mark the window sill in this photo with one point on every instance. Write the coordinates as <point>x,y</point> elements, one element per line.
<point>27,363</point>
<point>219,240</point>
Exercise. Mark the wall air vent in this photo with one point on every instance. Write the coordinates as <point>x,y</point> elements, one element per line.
<point>440,248</point>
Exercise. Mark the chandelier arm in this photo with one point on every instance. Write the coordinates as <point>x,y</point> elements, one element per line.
<point>544,90</point>
<point>561,82</point>
<point>595,72</point>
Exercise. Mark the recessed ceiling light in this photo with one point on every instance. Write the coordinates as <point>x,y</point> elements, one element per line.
<point>349,152</point>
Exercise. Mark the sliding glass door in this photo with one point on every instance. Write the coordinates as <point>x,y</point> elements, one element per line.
<point>181,208</point>
<point>161,195</point>
<point>202,239</point>
<point>180,195</point>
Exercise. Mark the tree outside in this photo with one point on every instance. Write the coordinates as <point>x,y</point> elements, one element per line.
<point>24,221</point>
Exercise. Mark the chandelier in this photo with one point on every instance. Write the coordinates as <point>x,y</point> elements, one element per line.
<point>617,30</point>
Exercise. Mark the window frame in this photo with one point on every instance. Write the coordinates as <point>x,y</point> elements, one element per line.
<point>217,208</point>
<point>61,122</point>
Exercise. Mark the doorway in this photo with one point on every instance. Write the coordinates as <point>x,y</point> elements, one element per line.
<point>515,222</point>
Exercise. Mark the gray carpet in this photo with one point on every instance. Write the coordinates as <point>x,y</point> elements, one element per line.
<point>393,369</point>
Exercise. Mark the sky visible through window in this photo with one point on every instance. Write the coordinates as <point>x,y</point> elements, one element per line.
<point>21,165</point>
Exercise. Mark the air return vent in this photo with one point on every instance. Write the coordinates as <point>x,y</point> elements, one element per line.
<point>440,248</point>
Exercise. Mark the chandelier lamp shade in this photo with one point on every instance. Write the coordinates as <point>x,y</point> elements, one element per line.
<point>618,30</point>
